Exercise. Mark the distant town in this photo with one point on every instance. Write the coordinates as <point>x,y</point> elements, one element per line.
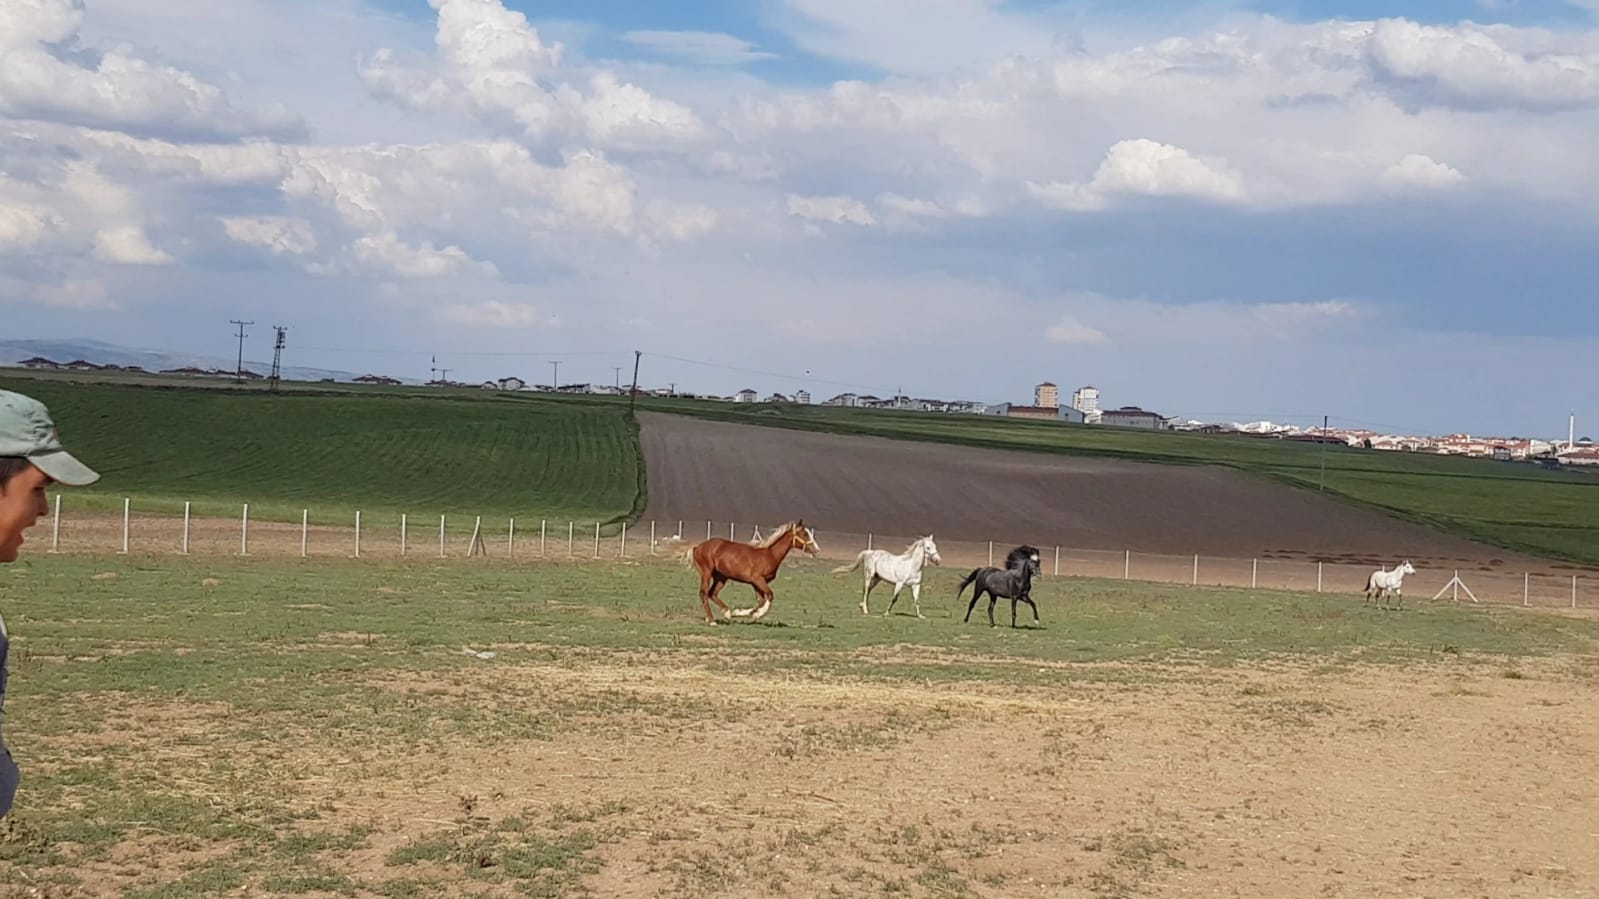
<point>1084,408</point>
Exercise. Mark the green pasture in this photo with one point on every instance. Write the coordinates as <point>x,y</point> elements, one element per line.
<point>384,453</point>
<point>265,652</point>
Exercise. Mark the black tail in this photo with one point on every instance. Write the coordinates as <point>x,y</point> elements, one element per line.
<point>969,578</point>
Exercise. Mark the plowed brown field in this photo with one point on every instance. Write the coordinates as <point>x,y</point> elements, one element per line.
<point>705,470</point>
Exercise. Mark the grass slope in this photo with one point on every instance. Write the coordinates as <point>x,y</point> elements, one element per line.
<point>1553,514</point>
<point>466,453</point>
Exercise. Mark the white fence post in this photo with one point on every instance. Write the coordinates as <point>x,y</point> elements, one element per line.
<point>510,540</point>
<point>244,532</point>
<point>624,539</point>
<point>441,536</point>
<point>402,533</point>
<point>1318,577</point>
<point>1573,591</point>
<point>1127,564</point>
<point>652,536</point>
<point>1526,587</point>
<point>55,536</point>
<point>868,539</point>
<point>707,530</point>
<point>126,504</point>
<point>571,539</point>
<point>185,527</point>
<point>543,523</point>
<point>358,533</point>
<point>990,553</point>
<point>730,526</point>
<point>680,529</point>
<point>1057,560</point>
<point>596,540</point>
<point>1254,573</point>
<point>305,530</point>
<point>1196,569</point>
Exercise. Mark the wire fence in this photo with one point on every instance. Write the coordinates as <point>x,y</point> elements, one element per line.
<point>169,531</point>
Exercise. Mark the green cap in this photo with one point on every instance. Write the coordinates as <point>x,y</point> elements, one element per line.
<point>27,431</point>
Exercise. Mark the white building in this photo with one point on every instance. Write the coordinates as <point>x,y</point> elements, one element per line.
<point>802,396</point>
<point>747,395</point>
<point>1085,400</point>
<point>1046,395</point>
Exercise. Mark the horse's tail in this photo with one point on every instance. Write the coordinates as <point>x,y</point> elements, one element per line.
<point>969,578</point>
<point>687,555</point>
<point>845,569</point>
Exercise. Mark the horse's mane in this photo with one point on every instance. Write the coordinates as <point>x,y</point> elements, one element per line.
<point>1022,554</point>
<point>776,534</point>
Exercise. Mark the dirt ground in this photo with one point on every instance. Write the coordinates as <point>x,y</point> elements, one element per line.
<point>701,470</point>
<point>1445,780</point>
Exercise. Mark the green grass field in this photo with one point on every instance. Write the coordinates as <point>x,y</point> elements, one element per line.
<point>382,452</point>
<point>169,704</point>
<point>338,448</point>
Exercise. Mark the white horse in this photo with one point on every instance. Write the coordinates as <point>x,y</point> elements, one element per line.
<point>901,570</point>
<point>1382,582</point>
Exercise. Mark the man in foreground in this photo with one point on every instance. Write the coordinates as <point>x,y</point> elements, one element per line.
<point>31,459</point>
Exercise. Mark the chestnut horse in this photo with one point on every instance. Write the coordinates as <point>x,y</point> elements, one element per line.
<point>720,561</point>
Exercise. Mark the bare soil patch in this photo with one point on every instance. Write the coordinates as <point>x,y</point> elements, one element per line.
<point>1450,779</point>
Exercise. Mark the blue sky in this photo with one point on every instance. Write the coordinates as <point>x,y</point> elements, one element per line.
<point>1230,210</point>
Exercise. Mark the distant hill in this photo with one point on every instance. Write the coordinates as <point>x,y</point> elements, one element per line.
<point>101,353</point>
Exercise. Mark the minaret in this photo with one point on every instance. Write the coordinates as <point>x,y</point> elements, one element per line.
<point>1571,434</point>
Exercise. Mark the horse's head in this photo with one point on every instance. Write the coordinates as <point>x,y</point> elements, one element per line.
<point>801,538</point>
<point>932,550</point>
<point>1023,556</point>
<point>1407,568</point>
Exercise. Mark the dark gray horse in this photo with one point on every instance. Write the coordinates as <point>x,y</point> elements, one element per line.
<point>1014,582</point>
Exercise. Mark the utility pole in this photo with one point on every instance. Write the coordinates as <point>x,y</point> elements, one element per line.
<point>238,373</point>
<point>632,395</point>
<point>618,370</point>
<point>1323,486</point>
<point>555,379</point>
<point>277,355</point>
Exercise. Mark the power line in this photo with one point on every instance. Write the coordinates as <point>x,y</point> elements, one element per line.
<point>277,354</point>
<point>238,372</point>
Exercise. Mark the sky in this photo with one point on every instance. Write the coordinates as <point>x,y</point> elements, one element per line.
<point>1229,210</point>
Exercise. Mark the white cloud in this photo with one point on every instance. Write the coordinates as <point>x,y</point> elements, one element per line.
<point>1473,64</point>
<point>279,234</point>
<point>495,66</point>
<point>496,314</point>
<point>1420,170</point>
<point>837,210</point>
<point>1150,168</point>
<point>22,226</point>
<point>680,221</point>
<point>386,253</point>
<point>116,87</point>
<point>77,295</point>
<point>1071,331</point>
<point>703,47</point>
<point>127,245</point>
